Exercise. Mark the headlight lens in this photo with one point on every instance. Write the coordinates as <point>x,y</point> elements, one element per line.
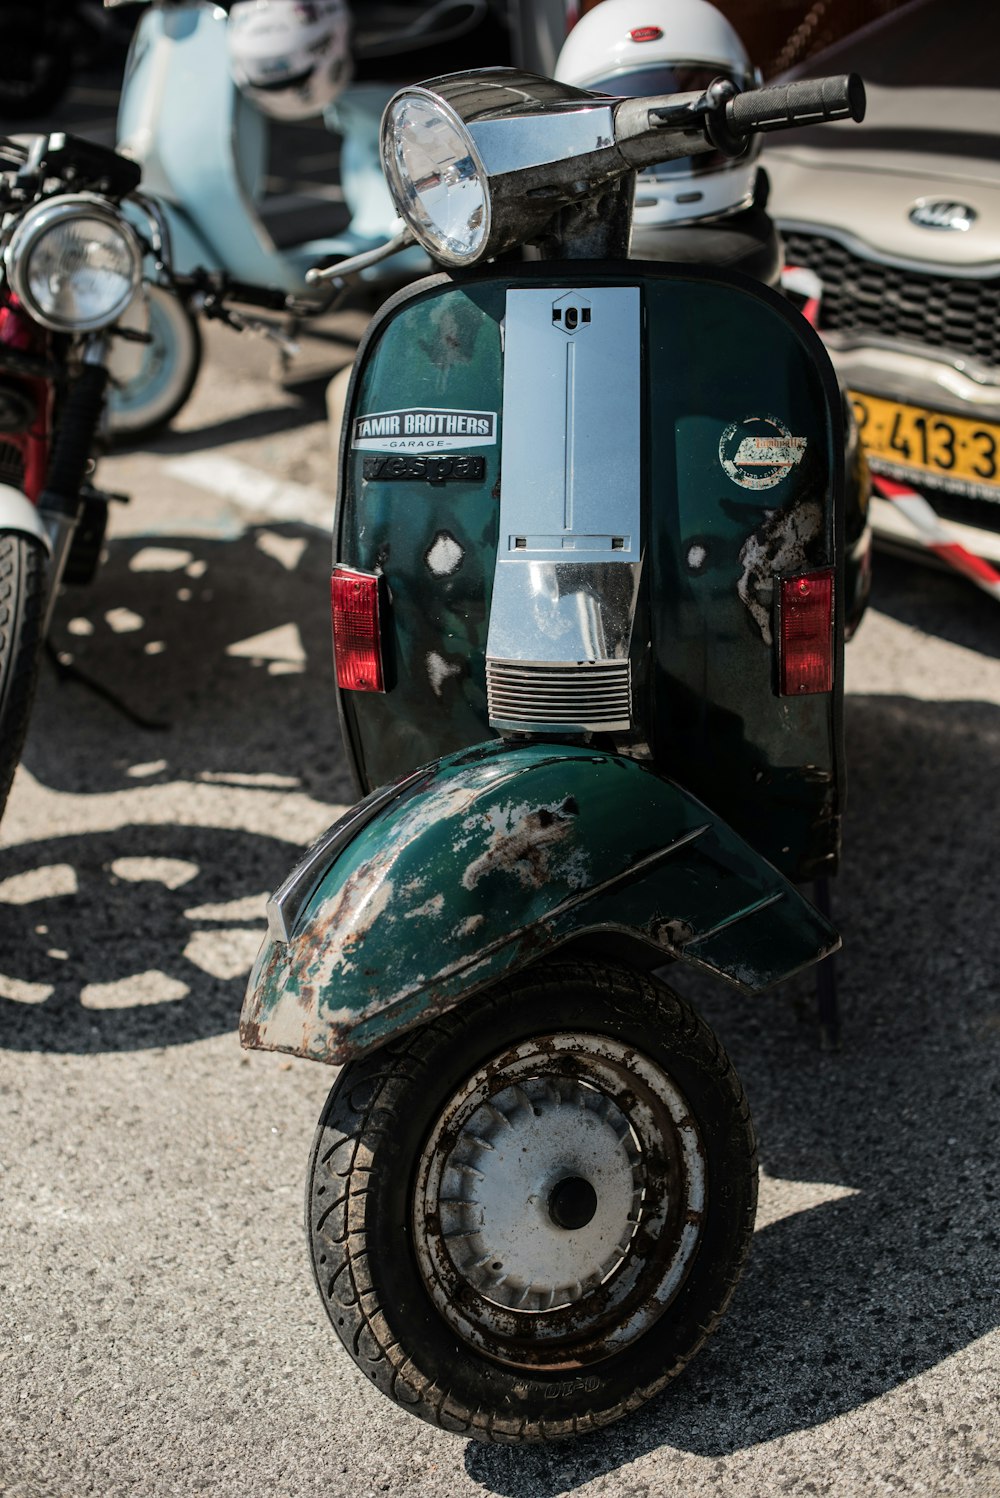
<point>75,263</point>
<point>436,178</point>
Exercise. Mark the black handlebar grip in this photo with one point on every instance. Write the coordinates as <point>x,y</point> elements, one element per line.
<point>791,104</point>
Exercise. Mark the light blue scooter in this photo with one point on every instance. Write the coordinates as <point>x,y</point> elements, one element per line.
<point>203,148</point>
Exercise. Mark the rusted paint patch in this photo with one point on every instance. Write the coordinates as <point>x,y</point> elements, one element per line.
<point>439,670</point>
<point>433,906</point>
<point>444,556</point>
<point>522,842</point>
<point>779,545</point>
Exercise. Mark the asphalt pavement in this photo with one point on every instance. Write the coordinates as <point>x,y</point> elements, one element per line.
<point>159,1330</point>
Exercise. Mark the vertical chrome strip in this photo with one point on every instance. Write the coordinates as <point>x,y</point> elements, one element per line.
<point>570,436</point>
<point>569,558</point>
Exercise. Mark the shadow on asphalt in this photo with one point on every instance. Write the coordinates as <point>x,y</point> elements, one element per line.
<point>937,602</point>
<point>225,644</point>
<point>262,720</point>
<point>269,421</point>
<point>117,963</point>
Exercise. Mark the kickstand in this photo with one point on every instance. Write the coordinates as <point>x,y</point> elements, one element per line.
<point>827,1007</point>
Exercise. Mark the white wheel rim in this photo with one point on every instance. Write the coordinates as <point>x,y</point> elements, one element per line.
<point>559,1200</point>
<point>166,368</point>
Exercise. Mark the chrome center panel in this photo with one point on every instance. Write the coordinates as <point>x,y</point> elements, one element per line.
<point>569,558</point>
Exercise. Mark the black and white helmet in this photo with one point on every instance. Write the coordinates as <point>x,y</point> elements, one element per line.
<point>631,48</point>
<point>291,57</point>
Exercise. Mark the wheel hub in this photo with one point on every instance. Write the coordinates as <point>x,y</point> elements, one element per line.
<point>559,1179</point>
<point>572,1203</point>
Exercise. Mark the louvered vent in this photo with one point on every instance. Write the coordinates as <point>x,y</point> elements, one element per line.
<point>591,697</point>
<point>957,313</point>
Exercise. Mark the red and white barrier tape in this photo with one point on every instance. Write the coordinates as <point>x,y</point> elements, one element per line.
<point>935,536</point>
<point>799,280</point>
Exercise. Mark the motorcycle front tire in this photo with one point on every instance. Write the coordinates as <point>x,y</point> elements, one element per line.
<point>528,1215</point>
<point>23,569</point>
<point>141,407</point>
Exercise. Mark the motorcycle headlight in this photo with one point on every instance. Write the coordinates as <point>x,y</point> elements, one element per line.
<point>74,262</point>
<point>436,177</point>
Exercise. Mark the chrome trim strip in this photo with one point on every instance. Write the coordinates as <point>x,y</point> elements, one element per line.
<point>517,142</point>
<point>569,560</point>
<point>733,920</point>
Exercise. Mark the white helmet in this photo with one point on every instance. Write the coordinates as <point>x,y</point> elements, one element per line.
<point>634,47</point>
<point>291,57</point>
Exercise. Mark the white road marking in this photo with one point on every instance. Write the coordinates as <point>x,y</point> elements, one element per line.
<point>260,494</point>
<point>783,1198</point>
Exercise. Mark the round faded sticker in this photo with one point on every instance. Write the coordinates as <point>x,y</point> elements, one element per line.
<point>758,452</point>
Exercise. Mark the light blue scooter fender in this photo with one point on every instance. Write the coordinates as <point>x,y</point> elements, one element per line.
<point>206,166</point>
<point>484,861</point>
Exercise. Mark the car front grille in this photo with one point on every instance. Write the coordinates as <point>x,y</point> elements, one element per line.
<point>956,313</point>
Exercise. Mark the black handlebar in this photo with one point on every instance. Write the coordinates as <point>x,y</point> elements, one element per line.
<point>723,119</point>
<point>790,104</point>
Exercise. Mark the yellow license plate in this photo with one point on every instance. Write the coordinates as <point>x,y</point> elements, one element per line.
<point>955,449</point>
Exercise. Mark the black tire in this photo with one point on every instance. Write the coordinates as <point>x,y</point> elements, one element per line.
<point>23,567</point>
<point>475,1362</point>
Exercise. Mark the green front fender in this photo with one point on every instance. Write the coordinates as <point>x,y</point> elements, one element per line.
<point>487,859</point>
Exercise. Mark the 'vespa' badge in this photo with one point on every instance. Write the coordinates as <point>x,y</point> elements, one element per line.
<point>423,429</point>
<point>758,452</point>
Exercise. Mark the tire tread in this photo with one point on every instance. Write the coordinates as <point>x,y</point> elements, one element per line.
<point>23,579</point>
<point>345,1124</point>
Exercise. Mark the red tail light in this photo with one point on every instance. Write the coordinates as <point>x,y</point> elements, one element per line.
<point>805,633</point>
<point>357,638</point>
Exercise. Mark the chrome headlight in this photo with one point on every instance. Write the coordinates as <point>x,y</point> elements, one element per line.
<point>74,262</point>
<point>436,177</point>
<point>480,161</point>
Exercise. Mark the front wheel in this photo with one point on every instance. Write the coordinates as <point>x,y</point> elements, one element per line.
<point>140,406</point>
<point>23,566</point>
<point>526,1217</point>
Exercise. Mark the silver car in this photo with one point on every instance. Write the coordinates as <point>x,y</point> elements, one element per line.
<point>900,221</point>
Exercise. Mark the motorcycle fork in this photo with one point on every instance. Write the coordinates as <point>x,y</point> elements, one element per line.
<point>61,502</point>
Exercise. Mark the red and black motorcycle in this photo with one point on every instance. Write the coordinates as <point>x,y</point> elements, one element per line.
<point>71,268</point>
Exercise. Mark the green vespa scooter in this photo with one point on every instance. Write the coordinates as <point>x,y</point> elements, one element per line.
<point>588,606</point>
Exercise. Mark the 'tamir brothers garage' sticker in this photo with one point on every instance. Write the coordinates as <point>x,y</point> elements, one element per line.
<point>758,452</point>
<point>423,429</point>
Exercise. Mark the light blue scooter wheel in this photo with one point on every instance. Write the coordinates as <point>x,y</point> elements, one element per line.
<point>144,404</point>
